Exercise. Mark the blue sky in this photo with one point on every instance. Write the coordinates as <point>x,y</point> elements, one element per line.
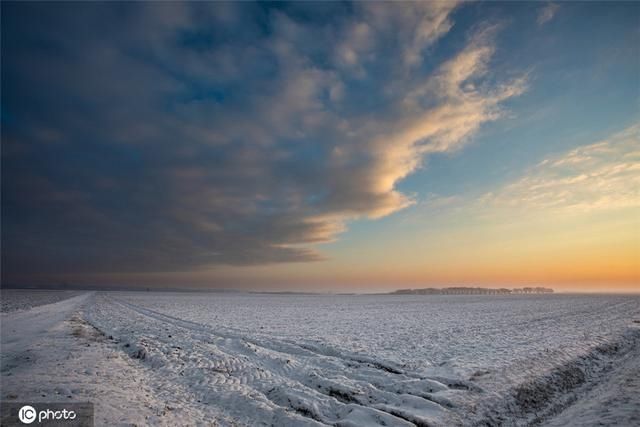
<point>582,73</point>
<point>215,143</point>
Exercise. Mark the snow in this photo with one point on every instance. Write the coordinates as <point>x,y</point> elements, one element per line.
<point>614,401</point>
<point>250,359</point>
<point>51,354</point>
<point>24,299</point>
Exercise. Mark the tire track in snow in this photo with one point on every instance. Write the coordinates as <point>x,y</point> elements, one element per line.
<point>277,378</point>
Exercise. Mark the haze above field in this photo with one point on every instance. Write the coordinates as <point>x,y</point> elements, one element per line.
<point>351,146</point>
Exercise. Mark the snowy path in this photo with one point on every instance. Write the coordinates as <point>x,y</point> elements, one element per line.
<point>51,354</point>
<point>21,329</point>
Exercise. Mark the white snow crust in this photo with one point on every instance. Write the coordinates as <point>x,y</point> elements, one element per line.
<point>152,358</point>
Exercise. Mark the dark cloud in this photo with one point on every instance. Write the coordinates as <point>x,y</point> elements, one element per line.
<point>147,137</point>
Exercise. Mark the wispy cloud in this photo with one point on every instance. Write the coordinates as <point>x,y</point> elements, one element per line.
<point>547,12</point>
<point>600,176</point>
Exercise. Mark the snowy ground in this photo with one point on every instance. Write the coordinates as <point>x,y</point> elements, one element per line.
<point>23,299</point>
<point>183,359</point>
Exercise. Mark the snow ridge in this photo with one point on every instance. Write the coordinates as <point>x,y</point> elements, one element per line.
<point>547,395</point>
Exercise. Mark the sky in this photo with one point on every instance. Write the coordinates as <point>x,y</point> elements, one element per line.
<point>321,146</point>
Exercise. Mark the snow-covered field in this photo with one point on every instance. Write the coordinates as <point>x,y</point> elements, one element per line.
<point>24,299</point>
<point>251,359</point>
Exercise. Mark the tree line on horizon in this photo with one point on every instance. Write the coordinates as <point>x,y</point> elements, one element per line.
<point>464,290</point>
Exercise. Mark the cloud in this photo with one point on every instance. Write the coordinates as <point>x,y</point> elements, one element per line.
<point>595,177</point>
<point>158,137</point>
<point>418,25</point>
<point>547,12</point>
